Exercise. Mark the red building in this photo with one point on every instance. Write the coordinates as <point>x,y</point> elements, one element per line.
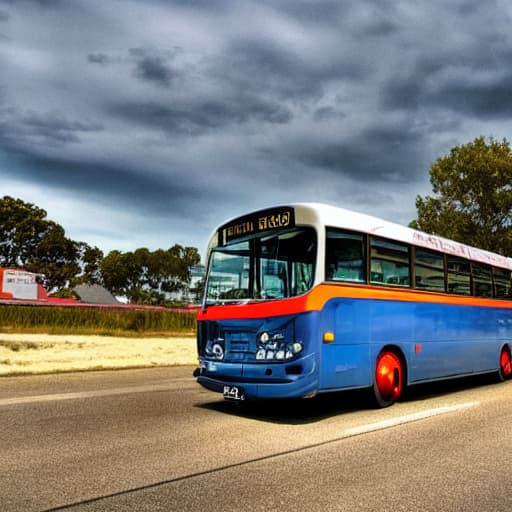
<point>20,284</point>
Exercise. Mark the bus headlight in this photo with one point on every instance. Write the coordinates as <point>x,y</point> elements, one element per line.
<point>218,351</point>
<point>260,354</point>
<point>297,347</point>
<point>275,347</point>
<point>215,349</point>
<point>264,337</point>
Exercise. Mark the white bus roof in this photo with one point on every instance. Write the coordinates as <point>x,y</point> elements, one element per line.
<point>317,213</point>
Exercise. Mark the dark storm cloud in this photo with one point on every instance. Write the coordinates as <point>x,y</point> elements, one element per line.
<point>464,70</point>
<point>123,185</point>
<point>379,154</point>
<point>328,114</point>
<point>55,127</point>
<point>488,99</point>
<point>45,4</point>
<point>202,116</point>
<point>153,66</point>
<point>4,18</point>
<point>25,131</point>
<point>264,66</point>
<point>469,93</point>
<point>100,58</point>
<point>215,7</point>
<point>305,11</point>
<point>403,93</point>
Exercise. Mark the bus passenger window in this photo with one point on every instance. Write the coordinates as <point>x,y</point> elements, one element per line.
<point>482,280</point>
<point>458,275</point>
<point>429,270</point>
<point>389,263</point>
<point>345,258</point>
<point>502,289</point>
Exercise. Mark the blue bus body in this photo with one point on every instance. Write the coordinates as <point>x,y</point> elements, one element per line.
<point>435,340</point>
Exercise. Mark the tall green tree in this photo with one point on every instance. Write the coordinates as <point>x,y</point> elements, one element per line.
<point>89,260</point>
<point>114,270</point>
<point>176,267</point>
<point>22,227</point>
<point>30,240</point>
<point>56,257</point>
<point>473,196</point>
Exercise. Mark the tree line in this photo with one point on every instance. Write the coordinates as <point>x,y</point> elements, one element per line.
<point>29,240</point>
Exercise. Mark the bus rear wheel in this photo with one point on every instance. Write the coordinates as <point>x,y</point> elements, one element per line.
<point>505,370</point>
<point>389,379</point>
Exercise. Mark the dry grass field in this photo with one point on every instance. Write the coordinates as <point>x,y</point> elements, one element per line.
<point>22,354</point>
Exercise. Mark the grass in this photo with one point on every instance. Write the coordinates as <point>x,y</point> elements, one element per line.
<point>94,320</point>
<point>51,339</point>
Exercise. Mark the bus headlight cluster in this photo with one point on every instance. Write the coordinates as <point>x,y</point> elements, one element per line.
<point>274,347</point>
<point>215,349</point>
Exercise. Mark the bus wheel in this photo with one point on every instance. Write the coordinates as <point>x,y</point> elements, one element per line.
<point>389,379</point>
<point>505,370</point>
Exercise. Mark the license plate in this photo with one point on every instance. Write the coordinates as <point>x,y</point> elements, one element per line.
<point>233,393</point>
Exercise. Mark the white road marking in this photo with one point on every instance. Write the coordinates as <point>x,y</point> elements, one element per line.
<point>407,418</point>
<point>89,394</point>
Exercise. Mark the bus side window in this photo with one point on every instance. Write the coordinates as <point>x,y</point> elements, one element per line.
<point>502,289</point>
<point>482,280</point>
<point>345,256</point>
<point>459,275</point>
<point>389,263</point>
<point>429,270</point>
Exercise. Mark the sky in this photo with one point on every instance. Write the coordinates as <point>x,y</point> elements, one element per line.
<point>148,123</point>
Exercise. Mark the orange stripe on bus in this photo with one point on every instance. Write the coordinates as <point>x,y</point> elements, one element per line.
<point>316,299</point>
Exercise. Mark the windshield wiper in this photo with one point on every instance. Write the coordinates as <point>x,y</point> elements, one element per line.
<point>222,302</point>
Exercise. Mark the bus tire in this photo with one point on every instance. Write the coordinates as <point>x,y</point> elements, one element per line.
<point>505,368</point>
<point>389,378</point>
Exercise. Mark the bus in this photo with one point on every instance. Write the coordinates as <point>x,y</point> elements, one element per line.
<point>308,298</point>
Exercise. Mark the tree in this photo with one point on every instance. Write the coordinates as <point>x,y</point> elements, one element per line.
<point>114,271</point>
<point>29,240</point>
<point>22,227</point>
<point>146,277</point>
<point>473,201</point>
<point>56,257</point>
<point>89,260</point>
<point>176,267</point>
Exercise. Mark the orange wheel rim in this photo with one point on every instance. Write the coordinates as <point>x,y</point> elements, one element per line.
<point>505,363</point>
<point>388,376</point>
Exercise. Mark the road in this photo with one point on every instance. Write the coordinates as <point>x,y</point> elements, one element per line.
<point>153,440</point>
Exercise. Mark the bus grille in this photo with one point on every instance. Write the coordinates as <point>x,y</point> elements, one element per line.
<point>240,346</point>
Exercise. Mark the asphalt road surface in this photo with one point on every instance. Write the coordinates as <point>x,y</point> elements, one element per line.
<point>153,440</point>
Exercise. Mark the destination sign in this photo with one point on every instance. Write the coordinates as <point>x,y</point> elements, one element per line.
<point>265,220</point>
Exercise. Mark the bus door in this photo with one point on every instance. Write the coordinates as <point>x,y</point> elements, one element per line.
<point>345,359</point>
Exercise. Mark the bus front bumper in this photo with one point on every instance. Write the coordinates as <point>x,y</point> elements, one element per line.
<point>259,381</point>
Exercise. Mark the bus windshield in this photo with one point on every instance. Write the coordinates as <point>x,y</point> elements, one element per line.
<point>264,267</point>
